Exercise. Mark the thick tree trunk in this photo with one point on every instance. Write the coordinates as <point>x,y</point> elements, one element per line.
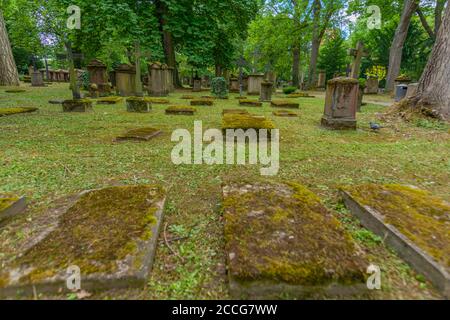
<point>440,5</point>
<point>433,92</point>
<point>395,56</point>
<point>8,70</point>
<point>296,67</point>
<point>315,44</point>
<point>167,41</point>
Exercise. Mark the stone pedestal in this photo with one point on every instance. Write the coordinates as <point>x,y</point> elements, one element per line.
<point>125,80</point>
<point>266,91</point>
<point>197,85</point>
<point>36,79</point>
<point>138,104</point>
<point>371,86</point>
<point>321,80</point>
<point>234,85</point>
<point>157,84</point>
<point>254,84</point>
<point>341,103</point>
<point>98,76</point>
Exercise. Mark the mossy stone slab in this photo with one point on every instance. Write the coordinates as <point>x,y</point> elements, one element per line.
<point>138,105</point>
<point>412,221</point>
<point>109,100</point>
<point>246,121</point>
<point>111,234</point>
<point>10,207</point>
<point>181,110</point>
<point>157,100</point>
<point>281,241</point>
<point>250,103</point>
<point>234,111</point>
<point>141,134</point>
<point>16,110</point>
<point>284,104</point>
<point>285,113</point>
<point>81,105</point>
<point>202,102</point>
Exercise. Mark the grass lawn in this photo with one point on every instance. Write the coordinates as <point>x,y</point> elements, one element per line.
<point>49,155</point>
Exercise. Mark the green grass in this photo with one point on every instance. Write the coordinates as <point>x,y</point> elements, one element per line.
<point>50,154</point>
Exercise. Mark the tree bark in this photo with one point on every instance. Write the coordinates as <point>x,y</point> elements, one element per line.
<point>433,92</point>
<point>395,56</point>
<point>8,70</point>
<point>440,5</point>
<point>296,66</point>
<point>315,43</point>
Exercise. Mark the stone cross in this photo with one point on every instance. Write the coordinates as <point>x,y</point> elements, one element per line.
<point>70,56</point>
<point>357,55</point>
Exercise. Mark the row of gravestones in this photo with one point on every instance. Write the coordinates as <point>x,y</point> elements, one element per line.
<point>280,240</point>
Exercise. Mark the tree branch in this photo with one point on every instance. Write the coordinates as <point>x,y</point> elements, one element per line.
<point>425,24</point>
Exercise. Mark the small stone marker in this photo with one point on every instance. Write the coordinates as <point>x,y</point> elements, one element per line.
<point>250,103</point>
<point>266,91</point>
<point>284,104</point>
<point>197,84</point>
<point>234,85</point>
<point>142,134</point>
<point>16,110</point>
<point>341,103</point>
<point>138,104</point>
<point>284,113</point>
<point>109,234</point>
<point>79,105</point>
<point>372,85</point>
<point>181,110</point>
<point>254,84</point>
<point>109,100</point>
<point>413,222</point>
<point>202,102</point>
<point>10,207</point>
<point>281,241</point>
<point>400,92</point>
<point>412,90</point>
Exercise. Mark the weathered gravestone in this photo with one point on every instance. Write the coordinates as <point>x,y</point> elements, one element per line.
<point>412,90</point>
<point>254,84</point>
<point>266,91</point>
<point>412,221</point>
<point>109,234</point>
<point>125,80</point>
<point>157,85</point>
<point>280,241</point>
<point>138,104</point>
<point>181,110</point>
<point>98,76</point>
<point>11,206</point>
<point>372,85</point>
<point>321,80</point>
<point>341,103</point>
<point>197,84</point>
<point>234,85</point>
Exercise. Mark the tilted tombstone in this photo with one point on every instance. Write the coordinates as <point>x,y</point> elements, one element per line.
<point>341,103</point>
<point>254,84</point>
<point>156,87</point>
<point>125,80</point>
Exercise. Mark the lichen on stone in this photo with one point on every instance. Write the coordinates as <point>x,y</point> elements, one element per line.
<point>421,217</point>
<point>246,121</point>
<point>180,110</point>
<point>250,103</point>
<point>284,104</point>
<point>202,102</point>
<point>282,233</point>
<point>234,111</point>
<point>16,110</point>
<point>5,203</point>
<point>157,100</point>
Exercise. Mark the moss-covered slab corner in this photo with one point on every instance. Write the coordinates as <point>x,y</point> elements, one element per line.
<point>111,234</point>
<point>181,110</point>
<point>246,121</point>
<point>140,134</point>
<point>16,110</point>
<point>280,240</point>
<point>11,206</point>
<point>202,102</point>
<point>412,221</point>
<point>284,104</point>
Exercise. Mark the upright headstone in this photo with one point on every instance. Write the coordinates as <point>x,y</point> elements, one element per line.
<point>156,81</point>
<point>234,85</point>
<point>266,91</point>
<point>321,81</point>
<point>98,75</point>
<point>341,103</point>
<point>197,84</point>
<point>36,79</point>
<point>372,85</point>
<point>254,84</point>
<point>125,80</point>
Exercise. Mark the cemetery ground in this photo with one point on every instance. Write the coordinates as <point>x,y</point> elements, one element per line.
<point>49,155</point>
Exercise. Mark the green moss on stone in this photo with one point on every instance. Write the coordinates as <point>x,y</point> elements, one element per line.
<point>282,233</point>
<point>202,102</point>
<point>250,103</point>
<point>110,100</point>
<point>140,134</point>
<point>246,121</point>
<point>422,218</point>
<point>16,110</point>
<point>5,203</point>
<point>180,110</point>
<point>97,233</point>
<point>284,104</point>
<point>234,111</point>
<point>157,100</point>
<point>284,113</point>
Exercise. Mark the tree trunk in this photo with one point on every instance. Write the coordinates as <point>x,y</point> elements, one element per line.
<point>440,5</point>
<point>395,56</point>
<point>296,67</point>
<point>433,92</point>
<point>167,41</point>
<point>8,70</point>
<point>315,44</point>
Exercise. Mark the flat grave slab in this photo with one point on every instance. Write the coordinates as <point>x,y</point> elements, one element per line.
<point>284,104</point>
<point>246,121</point>
<point>299,95</point>
<point>181,110</point>
<point>412,221</point>
<point>157,100</point>
<point>80,105</point>
<point>16,110</point>
<point>109,100</point>
<point>281,241</point>
<point>234,111</point>
<point>284,113</point>
<point>15,91</point>
<point>11,206</point>
<point>55,101</point>
<point>138,105</point>
<point>141,134</point>
<point>110,234</point>
<point>202,102</point>
<point>250,103</point>
<point>187,97</point>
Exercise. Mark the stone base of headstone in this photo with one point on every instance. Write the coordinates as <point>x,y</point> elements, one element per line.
<point>36,79</point>
<point>138,104</point>
<point>81,105</point>
<point>266,92</point>
<point>341,103</point>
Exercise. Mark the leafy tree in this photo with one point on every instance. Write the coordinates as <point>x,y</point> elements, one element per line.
<point>333,57</point>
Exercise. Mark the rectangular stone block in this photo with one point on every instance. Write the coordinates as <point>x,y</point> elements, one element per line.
<point>141,134</point>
